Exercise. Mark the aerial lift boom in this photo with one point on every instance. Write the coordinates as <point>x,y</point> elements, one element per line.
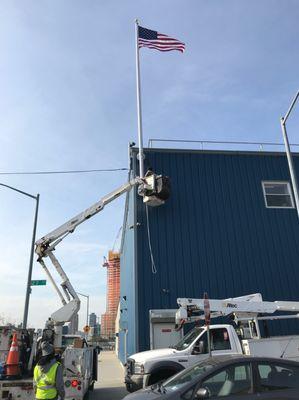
<point>153,188</point>
<point>245,308</point>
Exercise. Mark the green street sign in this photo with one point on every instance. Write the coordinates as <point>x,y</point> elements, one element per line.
<point>38,282</point>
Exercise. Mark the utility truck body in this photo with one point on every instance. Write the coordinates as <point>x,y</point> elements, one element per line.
<point>17,389</point>
<point>277,346</point>
<point>78,359</point>
<point>146,368</point>
<point>80,371</point>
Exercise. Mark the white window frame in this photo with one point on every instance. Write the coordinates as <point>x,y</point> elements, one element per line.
<point>289,190</point>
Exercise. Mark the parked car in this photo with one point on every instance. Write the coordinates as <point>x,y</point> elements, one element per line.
<point>232,377</point>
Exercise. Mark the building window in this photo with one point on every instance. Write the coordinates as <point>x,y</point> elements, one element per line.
<point>278,194</point>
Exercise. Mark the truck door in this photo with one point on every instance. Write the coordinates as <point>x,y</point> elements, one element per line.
<point>199,350</point>
<point>220,341</point>
<point>220,344</point>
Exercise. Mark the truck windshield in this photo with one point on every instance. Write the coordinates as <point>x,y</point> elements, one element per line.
<point>188,339</point>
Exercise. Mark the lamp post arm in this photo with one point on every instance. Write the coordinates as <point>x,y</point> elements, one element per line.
<point>84,295</point>
<point>20,191</point>
<point>290,109</point>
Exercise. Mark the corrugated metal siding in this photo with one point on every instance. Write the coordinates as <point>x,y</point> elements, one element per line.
<point>215,234</point>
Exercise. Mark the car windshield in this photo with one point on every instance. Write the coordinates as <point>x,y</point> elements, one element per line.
<point>188,339</point>
<point>186,376</point>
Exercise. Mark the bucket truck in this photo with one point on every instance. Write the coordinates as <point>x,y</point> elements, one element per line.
<point>79,360</point>
<point>153,188</point>
<point>80,363</point>
<point>149,367</point>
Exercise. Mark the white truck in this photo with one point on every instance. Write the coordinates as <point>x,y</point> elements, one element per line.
<point>148,367</point>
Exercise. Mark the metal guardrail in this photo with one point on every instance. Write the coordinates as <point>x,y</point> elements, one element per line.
<point>207,144</point>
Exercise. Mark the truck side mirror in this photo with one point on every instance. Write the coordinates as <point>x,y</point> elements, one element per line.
<point>199,348</point>
<point>202,393</point>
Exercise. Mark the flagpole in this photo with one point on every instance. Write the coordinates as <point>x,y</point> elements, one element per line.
<point>139,116</point>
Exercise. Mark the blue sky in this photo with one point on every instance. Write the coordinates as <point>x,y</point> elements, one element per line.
<point>68,101</point>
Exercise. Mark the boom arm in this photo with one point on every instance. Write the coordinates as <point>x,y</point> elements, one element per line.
<point>245,306</point>
<point>48,242</point>
<point>46,245</point>
<point>154,189</point>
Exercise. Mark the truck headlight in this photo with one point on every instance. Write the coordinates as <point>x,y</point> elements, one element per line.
<point>139,368</point>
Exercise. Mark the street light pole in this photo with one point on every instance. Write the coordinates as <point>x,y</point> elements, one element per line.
<point>28,287</point>
<point>87,308</point>
<point>87,313</point>
<point>283,121</point>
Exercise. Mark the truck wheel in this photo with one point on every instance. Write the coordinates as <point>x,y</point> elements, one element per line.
<point>160,376</point>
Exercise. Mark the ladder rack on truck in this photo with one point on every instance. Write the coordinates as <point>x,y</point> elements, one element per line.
<point>246,310</point>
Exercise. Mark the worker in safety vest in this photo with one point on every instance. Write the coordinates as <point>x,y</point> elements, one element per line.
<point>48,375</point>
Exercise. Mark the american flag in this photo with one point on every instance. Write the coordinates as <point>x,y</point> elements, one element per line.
<point>158,41</point>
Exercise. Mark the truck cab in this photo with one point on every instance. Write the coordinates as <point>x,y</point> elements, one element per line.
<point>149,367</point>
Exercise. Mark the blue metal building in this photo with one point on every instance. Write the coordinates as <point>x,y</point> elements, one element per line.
<point>218,232</point>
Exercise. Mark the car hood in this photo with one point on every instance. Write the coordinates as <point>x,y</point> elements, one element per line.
<point>150,354</point>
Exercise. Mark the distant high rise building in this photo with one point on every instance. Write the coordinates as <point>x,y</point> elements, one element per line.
<point>97,329</point>
<point>92,319</point>
<point>112,297</point>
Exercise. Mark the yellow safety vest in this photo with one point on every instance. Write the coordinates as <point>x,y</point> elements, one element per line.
<point>45,382</point>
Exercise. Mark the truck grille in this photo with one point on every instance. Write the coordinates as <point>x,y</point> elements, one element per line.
<point>130,367</point>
